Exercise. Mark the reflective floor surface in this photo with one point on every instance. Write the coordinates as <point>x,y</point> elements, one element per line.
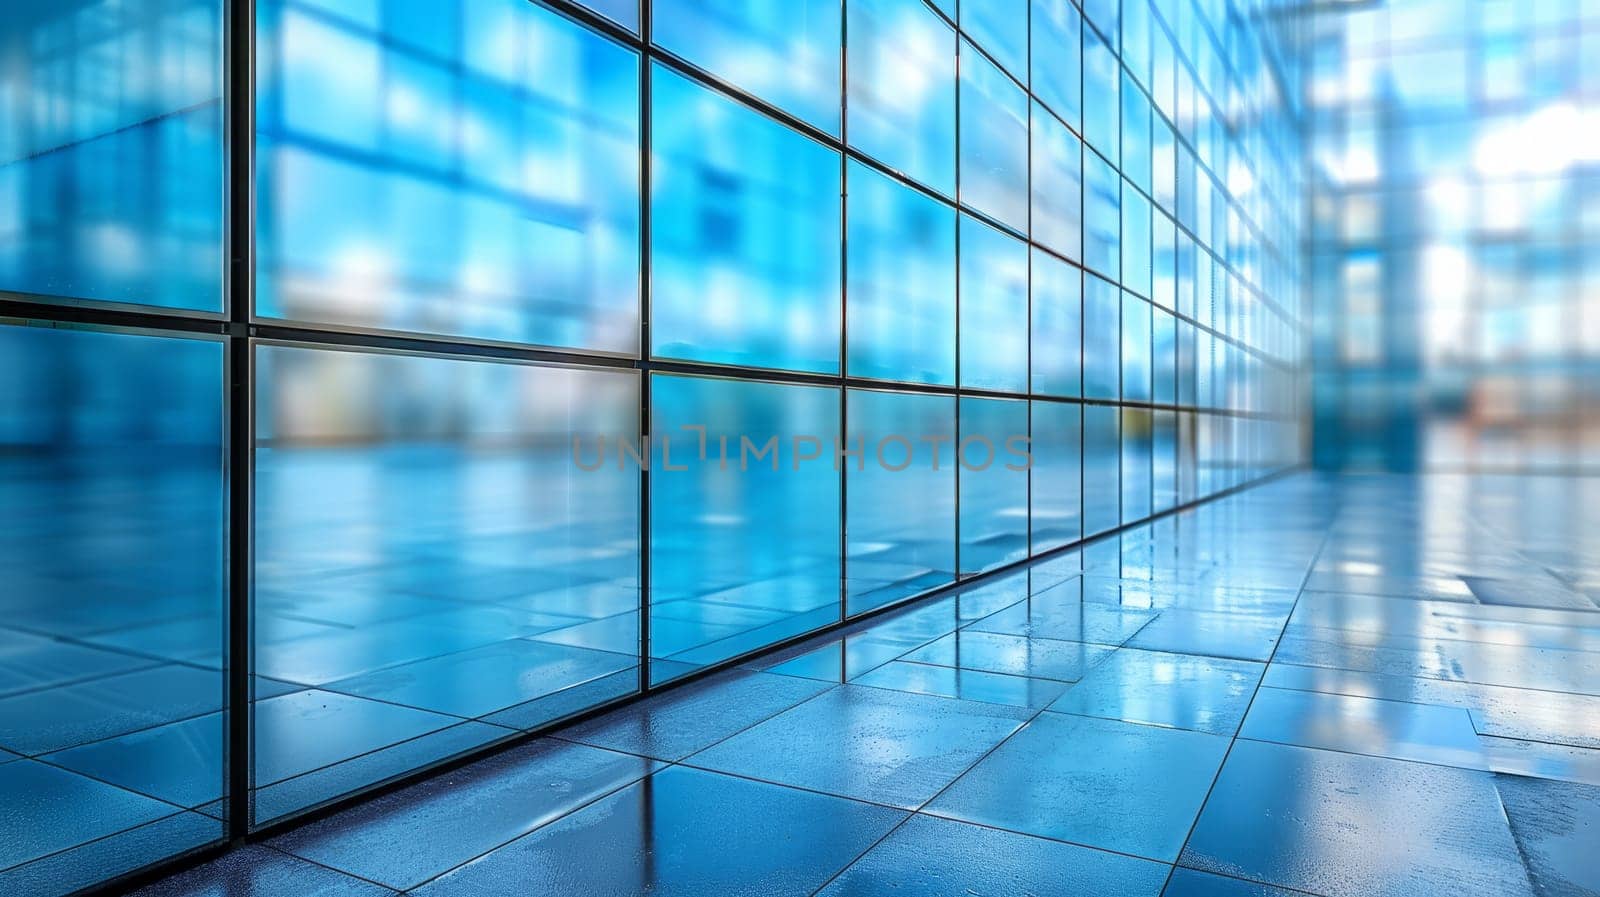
<point>1369,687</point>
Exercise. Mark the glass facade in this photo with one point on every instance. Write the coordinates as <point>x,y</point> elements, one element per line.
<point>565,351</point>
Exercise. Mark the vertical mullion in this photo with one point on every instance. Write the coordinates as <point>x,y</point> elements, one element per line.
<point>646,110</point>
<point>240,99</point>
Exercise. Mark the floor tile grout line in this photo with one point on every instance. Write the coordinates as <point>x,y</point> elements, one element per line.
<point>1217,776</point>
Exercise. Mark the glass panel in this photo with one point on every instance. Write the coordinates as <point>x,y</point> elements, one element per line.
<point>785,53</point>
<point>994,308</point>
<point>1102,453</point>
<point>1057,352</point>
<point>1102,340</point>
<point>1135,240</point>
<point>111,616</point>
<point>901,248</point>
<point>994,458</point>
<point>405,184</point>
<point>1101,106</point>
<point>900,496</point>
<point>994,141</point>
<point>1102,216</point>
<point>1058,66</point>
<point>436,566</point>
<point>1135,348</point>
<point>1164,354</point>
<point>1057,475</point>
<point>1163,250</point>
<point>1136,438</point>
<point>623,12</point>
<point>111,151</point>
<point>901,71</point>
<point>1164,461</point>
<point>1001,28</point>
<point>1057,186</point>
<point>743,552</point>
<point>744,239</point>
<point>1135,134</point>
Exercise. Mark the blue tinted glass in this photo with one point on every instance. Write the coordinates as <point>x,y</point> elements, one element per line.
<point>901,71</point>
<point>1186,363</point>
<point>1136,440</point>
<point>1135,240</point>
<point>900,496</point>
<point>744,239</point>
<point>1164,461</point>
<point>1057,338</point>
<point>1135,348</point>
<point>432,547</point>
<point>1102,339</point>
<point>405,185</point>
<point>1102,216</point>
<point>1101,77</point>
<point>1056,480</point>
<point>1057,186</point>
<point>994,308</point>
<point>785,53</point>
<point>1135,134</point>
<point>902,281</point>
<point>1102,464</point>
<point>1136,38</point>
<point>623,12</point>
<point>1163,164</point>
<point>1164,261</point>
<point>1164,362</point>
<point>1103,14</point>
<point>1001,28</point>
<point>994,141</point>
<point>1057,65</point>
<point>111,489</point>
<point>743,553</point>
<point>111,152</point>
<point>993,479</point>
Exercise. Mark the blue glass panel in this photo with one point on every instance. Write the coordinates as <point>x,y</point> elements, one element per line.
<point>1164,461</point>
<point>111,152</point>
<point>1163,164</point>
<point>744,239</point>
<point>1164,358</point>
<point>1164,261</point>
<point>1057,477</point>
<point>900,496</point>
<point>1136,485</point>
<point>994,456</point>
<point>1102,216</point>
<point>406,185</point>
<point>743,552</point>
<point>1001,28</point>
<point>1103,14</point>
<point>901,317</point>
<point>1135,348</point>
<point>1101,106</point>
<point>623,12</point>
<point>1057,333</point>
<point>1102,339</point>
<point>437,540</point>
<point>1135,240</point>
<point>1186,363</point>
<point>785,53</point>
<point>1058,66</point>
<point>1136,24</point>
<point>1057,185</point>
<point>1102,465</point>
<point>994,141</point>
<point>113,552</point>
<point>994,308</point>
<point>901,71</point>
<point>1135,134</point>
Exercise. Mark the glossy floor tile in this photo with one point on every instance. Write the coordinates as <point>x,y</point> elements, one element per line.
<point>1075,727</point>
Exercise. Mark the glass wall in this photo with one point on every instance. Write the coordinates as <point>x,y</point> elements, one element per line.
<point>591,351</point>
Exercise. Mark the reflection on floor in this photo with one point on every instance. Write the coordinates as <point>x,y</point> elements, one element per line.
<point>1362,686</point>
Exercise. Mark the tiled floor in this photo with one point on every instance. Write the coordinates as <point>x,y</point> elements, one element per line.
<point>1324,687</point>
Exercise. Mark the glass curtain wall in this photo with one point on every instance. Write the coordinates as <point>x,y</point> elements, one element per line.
<point>584,350</point>
<point>1456,214</point>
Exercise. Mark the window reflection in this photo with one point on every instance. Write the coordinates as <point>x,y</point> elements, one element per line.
<point>1058,67</point>
<point>901,103</point>
<point>1055,512</point>
<point>434,570</point>
<point>744,234</point>
<point>1057,333</point>
<point>745,552</point>
<point>111,616</point>
<point>994,308</point>
<point>1057,185</point>
<point>1102,463</point>
<point>406,184</point>
<point>111,178</point>
<point>901,321</point>
<point>994,141</point>
<point>901,513</point>
<point>993,480</point>
<point>1102,339</point>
